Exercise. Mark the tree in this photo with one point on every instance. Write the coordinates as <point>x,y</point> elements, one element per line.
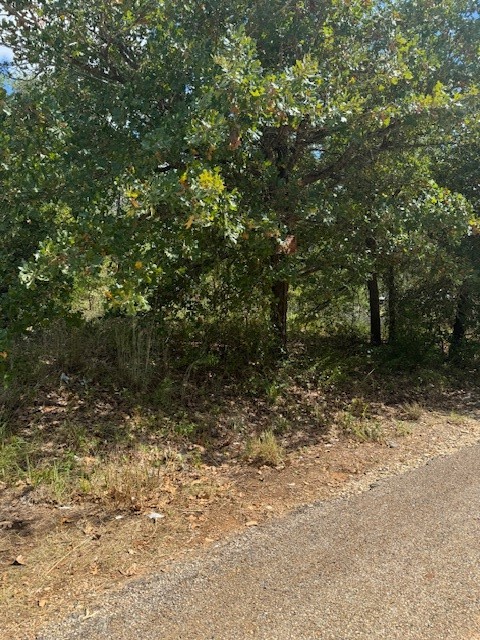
<point>192,127</point>
<point>457,167</point>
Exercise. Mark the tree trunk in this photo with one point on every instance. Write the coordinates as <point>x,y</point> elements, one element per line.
<point>280,286</point>
<point>457,338</point>
<point>392,305</point>
<point>374,301</point>
<point>279,310</point>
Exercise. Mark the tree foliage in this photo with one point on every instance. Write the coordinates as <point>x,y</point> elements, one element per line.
<point>171,153</point>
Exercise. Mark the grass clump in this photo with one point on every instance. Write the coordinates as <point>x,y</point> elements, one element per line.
<point>456,418</point>
<point>412,411</point>
<point>125,484</point>
<point>265,449</point>
<point>56,481</point>
<point>359,428</point>
<point>134,480</point>
<point>20,464</point>
<point>403,429</point>
<point>14,452</point>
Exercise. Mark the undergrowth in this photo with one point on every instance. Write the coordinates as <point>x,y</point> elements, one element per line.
<point>265,449</point>
<point>81,405</point>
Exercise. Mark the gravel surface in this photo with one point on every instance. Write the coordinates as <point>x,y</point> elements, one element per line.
<point>401,560</point>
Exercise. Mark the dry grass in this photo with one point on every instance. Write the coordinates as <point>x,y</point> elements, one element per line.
<point>134,346</point>
<point>205,489</point>
<point>126,485</point>
<point>412,411</point>
<point>93,458</point>
<point>359,428</point>
<point>456,418</point>
<point>265,449</point>
<point>359,408</point>
<point>133,481</point>
<point>403,429</point>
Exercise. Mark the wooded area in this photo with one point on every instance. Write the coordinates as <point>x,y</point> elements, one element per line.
<point>233,177</point>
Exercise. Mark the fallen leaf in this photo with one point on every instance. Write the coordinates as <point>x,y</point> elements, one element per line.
<point>251,523</point>
<point>131,571</point>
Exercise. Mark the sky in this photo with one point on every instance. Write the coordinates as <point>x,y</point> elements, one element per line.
<point>6,56</point>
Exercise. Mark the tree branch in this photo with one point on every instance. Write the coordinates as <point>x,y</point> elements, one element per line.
<point>112,75</point>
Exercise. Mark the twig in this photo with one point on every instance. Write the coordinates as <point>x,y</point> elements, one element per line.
<point>67,555</point>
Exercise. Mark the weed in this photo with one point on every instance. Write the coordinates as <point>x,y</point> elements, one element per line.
<point>126,483</point>
<point>265,449</point>
<point>56,480</point>
<point>360,429</point>
<point>19,461</point>
<point>76,437</point>
<point>202,490</point>
<point>318,412</point>
<point>164,393</point>
<point>369,431</point>
<point>84,485</point>
<point>14,452</point>
<point>237,424</point>
<point>273,391</point>
<point>335,376</point>
<point>359,408</point>
<point>195,458</point>
<point>412,411</point>
<point>184,428</point>
<point>456,418</point>
<point>281,425</point>
<point>172,459</point>
<point>403,429</point>
<point>134,346</point>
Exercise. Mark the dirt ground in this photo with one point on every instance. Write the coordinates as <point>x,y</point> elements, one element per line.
<point>58,558</point>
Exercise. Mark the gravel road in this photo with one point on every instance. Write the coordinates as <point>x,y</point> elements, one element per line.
<point>401,560</point>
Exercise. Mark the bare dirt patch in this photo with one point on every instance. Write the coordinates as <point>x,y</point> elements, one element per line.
<point>55,558</point>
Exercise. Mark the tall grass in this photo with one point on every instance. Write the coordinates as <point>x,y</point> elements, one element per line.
<point>134,344</point>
